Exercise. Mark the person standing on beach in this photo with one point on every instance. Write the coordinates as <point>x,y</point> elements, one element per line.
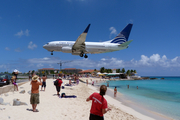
<point>15,73</point>
<point>58,86</point>
<point>75,78</point>
<point>30,76</point>
<point>99,104</point>
<point>44,82</point>
<point>92,83</point>
<point>115,91</point>
<point>53,76</point>
<point>34,99</point>
<point>13,78</point>
<point>107,84</point>
<point>87,81</point>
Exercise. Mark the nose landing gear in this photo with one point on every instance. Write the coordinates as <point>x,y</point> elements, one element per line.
<point>51,52</point>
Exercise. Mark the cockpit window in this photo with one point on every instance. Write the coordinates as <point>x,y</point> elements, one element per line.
<point>47,43</point>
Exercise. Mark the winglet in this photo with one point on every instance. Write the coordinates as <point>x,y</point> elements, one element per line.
<point>86,30</point>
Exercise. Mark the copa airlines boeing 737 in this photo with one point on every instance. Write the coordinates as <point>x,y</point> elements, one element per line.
<point>82,48</point>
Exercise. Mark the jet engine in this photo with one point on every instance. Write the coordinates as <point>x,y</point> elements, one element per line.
<point>66,49</point>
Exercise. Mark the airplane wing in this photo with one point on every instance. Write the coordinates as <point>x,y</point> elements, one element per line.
<point>79,45</point>
<point>126,43</point>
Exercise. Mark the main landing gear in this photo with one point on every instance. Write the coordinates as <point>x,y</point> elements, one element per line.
<point>82,54</point>
<point>51,52</point>
<point>85,56</point>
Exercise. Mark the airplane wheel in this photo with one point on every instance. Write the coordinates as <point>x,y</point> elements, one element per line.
<point>85,56</point>
<point>52,53</point>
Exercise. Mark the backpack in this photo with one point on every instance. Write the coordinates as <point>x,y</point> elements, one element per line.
<point>56,82</point>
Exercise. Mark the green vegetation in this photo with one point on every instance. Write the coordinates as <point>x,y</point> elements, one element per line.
<point>128,72</point>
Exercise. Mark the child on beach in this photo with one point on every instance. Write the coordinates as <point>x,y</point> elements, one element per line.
<point>13,79</point>
<point>99,104</point>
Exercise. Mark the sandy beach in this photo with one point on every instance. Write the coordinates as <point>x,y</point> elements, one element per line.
<point>53,107</point>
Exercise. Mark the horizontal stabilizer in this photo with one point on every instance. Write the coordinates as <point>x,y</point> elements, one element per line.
<point>126,43</point>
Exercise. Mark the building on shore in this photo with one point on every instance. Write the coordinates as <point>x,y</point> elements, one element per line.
<point>87,73</point>
<point>71,70</point>
<point>48,70</point>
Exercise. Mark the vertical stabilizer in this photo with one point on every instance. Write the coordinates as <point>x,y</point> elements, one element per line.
<point>123,35</point>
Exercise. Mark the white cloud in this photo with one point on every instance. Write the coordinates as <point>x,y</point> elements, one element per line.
<point>40,65</point>
<point>2,66</point>
<point>148,64</point>
<point>32,46</point>
<point>6,48</point>
<point>46,58</point>
<point>144,60</point>
<point>103,59</point>
<point>21,33</point>
<point>27,32</point>
<point>175,59</point>
<point>18,50</point>
<point>113,31</point>
<point>164,57</point>
<point>155,58</point>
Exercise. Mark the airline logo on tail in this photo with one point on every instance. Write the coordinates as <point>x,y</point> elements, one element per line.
<point>123,36</point>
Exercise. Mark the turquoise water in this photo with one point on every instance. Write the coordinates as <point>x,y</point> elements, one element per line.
<point>159,95</point>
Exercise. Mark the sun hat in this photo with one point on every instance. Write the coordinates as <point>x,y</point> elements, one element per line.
<point>59,78</point>
<point>16,70</point>
<point>35,78</point>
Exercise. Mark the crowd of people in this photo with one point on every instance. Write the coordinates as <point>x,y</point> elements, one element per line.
<point>99,103</point>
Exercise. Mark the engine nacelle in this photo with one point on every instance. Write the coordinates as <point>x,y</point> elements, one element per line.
<point>66,49</point>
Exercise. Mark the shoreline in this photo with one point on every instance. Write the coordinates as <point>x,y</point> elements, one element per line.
<point>121,101</point>
<point>137,107</point>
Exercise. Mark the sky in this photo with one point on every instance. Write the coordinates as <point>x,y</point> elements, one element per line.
<point>26,25</point>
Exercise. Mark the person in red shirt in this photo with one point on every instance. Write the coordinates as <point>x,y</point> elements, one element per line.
<point>99,104</point>
<point>58,87</point>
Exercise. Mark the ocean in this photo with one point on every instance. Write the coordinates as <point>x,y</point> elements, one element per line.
<point>158,95</point>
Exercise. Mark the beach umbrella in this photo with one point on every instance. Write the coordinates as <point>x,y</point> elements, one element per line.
<point>98,73</point>
<point>101,74</point>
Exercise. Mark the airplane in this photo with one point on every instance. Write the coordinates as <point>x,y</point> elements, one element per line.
<point>82,48</point>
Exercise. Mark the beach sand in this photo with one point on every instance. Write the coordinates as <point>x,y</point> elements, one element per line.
<point>52,107</point>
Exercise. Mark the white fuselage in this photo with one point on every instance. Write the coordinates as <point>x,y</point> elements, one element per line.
<point>90,47</point>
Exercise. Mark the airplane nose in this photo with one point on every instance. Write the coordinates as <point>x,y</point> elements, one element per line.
<point>45,46</point>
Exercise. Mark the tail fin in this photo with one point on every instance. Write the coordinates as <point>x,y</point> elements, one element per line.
<point>123,35</point>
